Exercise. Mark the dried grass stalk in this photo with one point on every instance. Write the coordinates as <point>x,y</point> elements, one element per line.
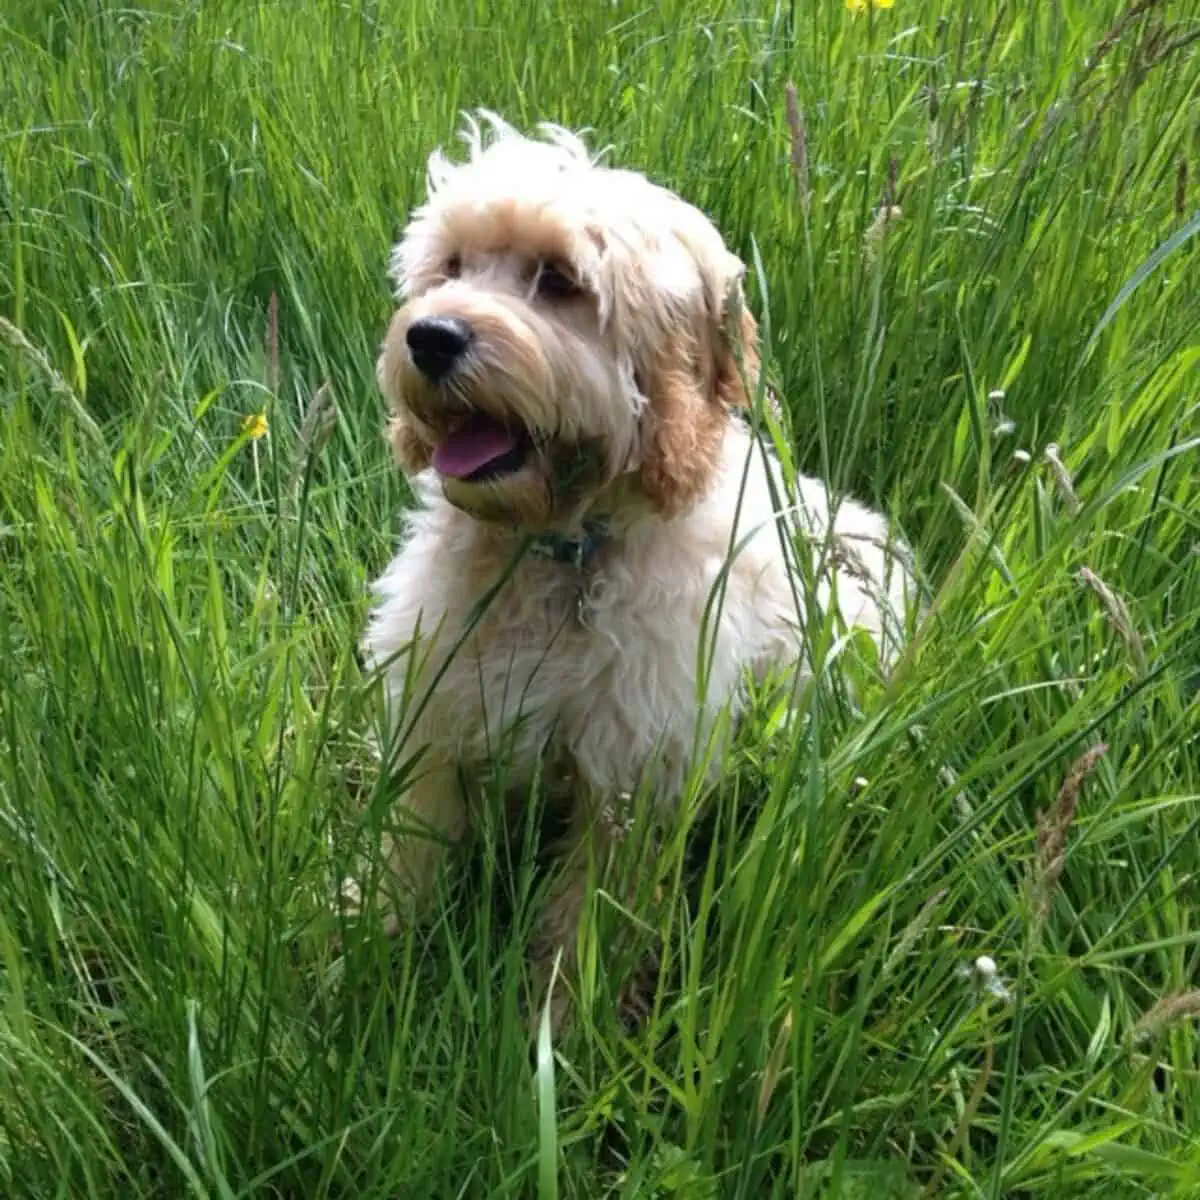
<point>272,343</point>
<point>774,1065</point>
<point>1062,479</point>
<point>1118,617</point>
<point>1169,1011</point>
<point>1052,829</point>
<point>798,138</point>
<point>17,339</point>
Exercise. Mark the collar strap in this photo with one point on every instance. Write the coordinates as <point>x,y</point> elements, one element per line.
<point>571,551</point>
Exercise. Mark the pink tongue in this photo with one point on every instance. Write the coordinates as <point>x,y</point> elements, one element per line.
<point>464,452</point>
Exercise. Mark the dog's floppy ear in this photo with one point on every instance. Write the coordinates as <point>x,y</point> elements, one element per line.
<point>735,347</point>
<point>694,378</point>
<point>412,453</point>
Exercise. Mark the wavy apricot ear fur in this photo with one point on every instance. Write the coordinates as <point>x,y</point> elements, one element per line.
<point>691,387</point>
<point>685,428</point>
<point>732,381</point>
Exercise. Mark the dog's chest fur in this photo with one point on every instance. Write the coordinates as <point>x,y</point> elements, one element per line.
<point>616,663</point>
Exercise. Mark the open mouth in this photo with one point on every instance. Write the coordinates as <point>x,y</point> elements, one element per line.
<point>479,448</point>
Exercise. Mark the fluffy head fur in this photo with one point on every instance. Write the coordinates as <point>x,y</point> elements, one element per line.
<point>600,306</point>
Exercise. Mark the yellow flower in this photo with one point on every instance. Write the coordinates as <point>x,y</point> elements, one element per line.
<point>863,5</point>
<point>255,425</point>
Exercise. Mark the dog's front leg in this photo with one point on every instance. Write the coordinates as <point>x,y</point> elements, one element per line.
<point>430,817</point>
<point>557,928</point>
<point>584,852</point>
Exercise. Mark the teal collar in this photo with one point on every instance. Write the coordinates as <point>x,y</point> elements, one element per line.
<point>571,551</point>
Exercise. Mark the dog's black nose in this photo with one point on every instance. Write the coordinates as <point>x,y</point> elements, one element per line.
<point>437,343</point>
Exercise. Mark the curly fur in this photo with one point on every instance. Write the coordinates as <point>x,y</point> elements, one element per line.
<point>636,377</point>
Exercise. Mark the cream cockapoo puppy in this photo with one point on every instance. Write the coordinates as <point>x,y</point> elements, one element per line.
<point>564,376</point>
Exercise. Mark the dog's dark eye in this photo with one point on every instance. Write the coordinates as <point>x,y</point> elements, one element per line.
<point>553,283</point>
<point>453,267</point>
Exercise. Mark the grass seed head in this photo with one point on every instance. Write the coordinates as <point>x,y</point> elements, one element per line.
<point>798,139</point>
<point>1062,479</point>
<point>1171,1010</point>
<point>1118,616</point>
<point>1053,828</point>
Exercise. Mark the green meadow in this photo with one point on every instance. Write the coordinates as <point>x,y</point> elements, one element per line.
<point>972,243</point>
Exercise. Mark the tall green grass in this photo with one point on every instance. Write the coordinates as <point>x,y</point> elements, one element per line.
<point>196,204</point>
